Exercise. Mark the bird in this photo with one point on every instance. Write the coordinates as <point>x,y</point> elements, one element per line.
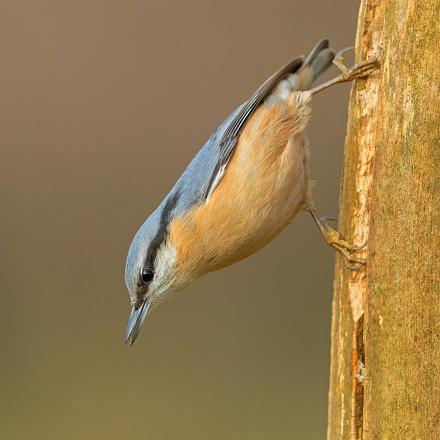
<point>240,190</point>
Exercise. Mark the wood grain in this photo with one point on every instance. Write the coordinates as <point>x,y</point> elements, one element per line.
<point>385,358</point>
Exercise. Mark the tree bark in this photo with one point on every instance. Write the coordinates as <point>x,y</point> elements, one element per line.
<point>385,356</point>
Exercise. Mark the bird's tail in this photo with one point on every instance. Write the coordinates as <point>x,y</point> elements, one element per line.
<point>315,64</point>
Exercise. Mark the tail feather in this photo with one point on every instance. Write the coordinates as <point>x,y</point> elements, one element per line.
<point>316,63</point>
<point>322,62</point>
<point>319,47</point>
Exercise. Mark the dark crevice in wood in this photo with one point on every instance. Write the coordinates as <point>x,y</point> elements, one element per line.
<point>358,371</point>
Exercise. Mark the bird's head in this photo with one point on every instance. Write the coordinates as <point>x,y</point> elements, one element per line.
<point>150,271</point>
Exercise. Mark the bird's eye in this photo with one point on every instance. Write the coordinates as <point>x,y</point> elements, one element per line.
<point>147,274</point>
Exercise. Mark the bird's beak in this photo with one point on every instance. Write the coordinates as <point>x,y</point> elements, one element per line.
<point>135,321</point>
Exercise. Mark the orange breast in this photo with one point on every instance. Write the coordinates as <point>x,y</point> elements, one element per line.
<point>264,186</point>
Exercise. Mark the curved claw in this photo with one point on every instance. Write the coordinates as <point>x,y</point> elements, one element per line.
<point>341,52</point>
<point>353,266</point>
<point>326,219</point>
<point>358,260</point>
<point>362,246</point>
<point>338,60</point>
<point>349,258</point>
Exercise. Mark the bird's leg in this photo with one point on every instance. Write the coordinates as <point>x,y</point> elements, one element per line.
<point>360,70</point>
<point>334,239</point>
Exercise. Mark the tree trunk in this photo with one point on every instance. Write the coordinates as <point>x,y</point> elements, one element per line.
<point>385,357</point>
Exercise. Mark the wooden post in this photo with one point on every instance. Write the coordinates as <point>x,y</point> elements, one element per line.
<point>385,357</point>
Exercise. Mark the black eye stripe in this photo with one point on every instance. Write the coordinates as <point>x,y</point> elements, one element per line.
<point>144,280</point>
<point>161,233</point>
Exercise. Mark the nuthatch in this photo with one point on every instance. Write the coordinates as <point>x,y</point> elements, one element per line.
<point>240,190</point>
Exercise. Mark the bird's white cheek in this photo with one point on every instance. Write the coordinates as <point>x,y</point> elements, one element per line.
<point>165,268</point>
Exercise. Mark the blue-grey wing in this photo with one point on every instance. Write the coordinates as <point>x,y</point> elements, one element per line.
<point>231,128</point>
<point>207,168</point>
<point>192,185</point>
<point>205,171</point>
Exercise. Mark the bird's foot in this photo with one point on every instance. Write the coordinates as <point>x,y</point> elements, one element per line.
<point>347,250</point>
<point>334,239</point>
<point>358,71</point>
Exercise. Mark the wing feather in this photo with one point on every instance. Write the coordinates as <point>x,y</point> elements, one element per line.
<point>229,137</point>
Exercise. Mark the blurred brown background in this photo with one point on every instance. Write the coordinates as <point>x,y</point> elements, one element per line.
<point>103,104</point>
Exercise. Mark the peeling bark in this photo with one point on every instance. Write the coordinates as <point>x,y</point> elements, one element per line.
<point>385,358</point>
